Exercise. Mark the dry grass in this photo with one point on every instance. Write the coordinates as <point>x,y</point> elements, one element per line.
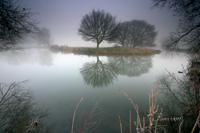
<point>154,116</point>
<point>88,125</point>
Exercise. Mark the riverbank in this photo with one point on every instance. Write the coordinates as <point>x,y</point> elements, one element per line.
<point>104,51</point>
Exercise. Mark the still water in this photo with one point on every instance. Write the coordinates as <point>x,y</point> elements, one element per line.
<point>58,81</point>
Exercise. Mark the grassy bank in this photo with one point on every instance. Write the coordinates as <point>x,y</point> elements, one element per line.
<point>106,51</point>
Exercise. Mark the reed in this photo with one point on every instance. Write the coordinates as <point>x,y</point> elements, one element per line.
<point>130,122</point>
<point>120,123</point>
<point>75,114</point>
<point>154,116</point>
<point>88,125</point>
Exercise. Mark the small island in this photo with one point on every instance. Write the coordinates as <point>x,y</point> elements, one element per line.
<point>117,50</point>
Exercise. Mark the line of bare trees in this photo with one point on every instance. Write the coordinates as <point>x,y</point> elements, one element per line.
<point>135,33</point>
<point>99,26</point>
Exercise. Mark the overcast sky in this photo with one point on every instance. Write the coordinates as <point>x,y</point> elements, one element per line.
<point>63,17</point>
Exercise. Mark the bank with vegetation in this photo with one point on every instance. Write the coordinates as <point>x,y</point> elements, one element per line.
<point>104,51</point>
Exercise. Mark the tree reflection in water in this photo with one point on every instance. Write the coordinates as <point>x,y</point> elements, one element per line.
<point>98,74</point>
<point>17,112</point>
<point>131,66</point>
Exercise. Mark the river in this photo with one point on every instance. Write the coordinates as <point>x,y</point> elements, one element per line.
<point>58,81</point>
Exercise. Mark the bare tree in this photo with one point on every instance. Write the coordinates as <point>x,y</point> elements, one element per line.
<point>97,26</point>
<point>122,34</point>
<point>135,33</point>
<point>17,111</point>
<point>141,33</point>
<point>15,22</point>
<point>188,32</point>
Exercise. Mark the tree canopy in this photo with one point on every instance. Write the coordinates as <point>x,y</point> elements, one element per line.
<point>135,33</point>
<point>15,22</point>
<point>122,34</point>
<point>97,26</point>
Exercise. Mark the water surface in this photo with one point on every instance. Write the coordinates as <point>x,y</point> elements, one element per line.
<point>58,81</point>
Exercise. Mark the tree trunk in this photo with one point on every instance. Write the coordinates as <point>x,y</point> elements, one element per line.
<point>98,45</point>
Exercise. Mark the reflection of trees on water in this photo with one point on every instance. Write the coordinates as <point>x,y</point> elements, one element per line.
<point>16,110</point>
<point>131,66</point>
<point>98,74</point>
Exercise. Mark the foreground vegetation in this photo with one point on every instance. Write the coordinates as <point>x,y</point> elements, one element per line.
<point>104,51</point>
<point>180,111</point>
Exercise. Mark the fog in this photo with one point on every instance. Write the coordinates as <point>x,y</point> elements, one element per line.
<point>41,38</point>
<point>29,56</point>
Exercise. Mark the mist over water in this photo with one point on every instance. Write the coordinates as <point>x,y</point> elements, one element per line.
<point>58,81</point>
<point>27,56</point>
<point>40,78</point>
